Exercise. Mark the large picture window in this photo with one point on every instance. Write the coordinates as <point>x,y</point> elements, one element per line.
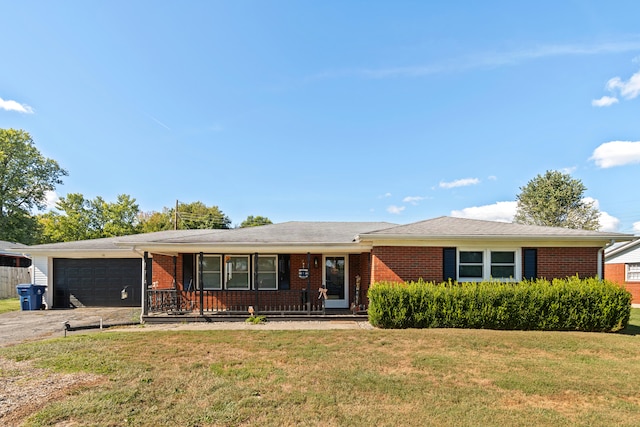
<point>235,272</point>
<point>488,264</point>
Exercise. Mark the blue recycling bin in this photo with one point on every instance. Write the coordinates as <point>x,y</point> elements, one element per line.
<point>30,296</point>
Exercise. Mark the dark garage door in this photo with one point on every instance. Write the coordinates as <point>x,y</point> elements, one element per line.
<point>96,282</point>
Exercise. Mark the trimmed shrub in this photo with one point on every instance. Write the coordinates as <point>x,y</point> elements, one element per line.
<point>571,304</point>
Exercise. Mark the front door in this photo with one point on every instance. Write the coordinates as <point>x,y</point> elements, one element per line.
<point>336,275</point>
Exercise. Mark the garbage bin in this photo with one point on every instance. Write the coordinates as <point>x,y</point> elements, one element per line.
<point>30,296</point>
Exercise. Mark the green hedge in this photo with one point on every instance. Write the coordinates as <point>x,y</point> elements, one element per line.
<point>572,304</point>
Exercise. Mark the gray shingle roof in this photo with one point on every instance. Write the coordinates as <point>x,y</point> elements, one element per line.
<point>287,232</point>
<point>463,227</point>
<point>283,233</point>
<point>330,233</point>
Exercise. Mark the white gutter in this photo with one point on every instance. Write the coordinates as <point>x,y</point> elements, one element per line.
<point>601,258</point>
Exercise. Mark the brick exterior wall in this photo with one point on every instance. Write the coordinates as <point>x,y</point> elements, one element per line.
<point>163,270</point>
<point>558,263</point>
<point>616,273</point>
<point>397,264</point>
<point>406,263</point>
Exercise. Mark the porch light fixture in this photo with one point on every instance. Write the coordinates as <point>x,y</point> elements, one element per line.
<point>315,262</point>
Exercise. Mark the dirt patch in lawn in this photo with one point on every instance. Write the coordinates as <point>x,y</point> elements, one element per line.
<point>24,389</point>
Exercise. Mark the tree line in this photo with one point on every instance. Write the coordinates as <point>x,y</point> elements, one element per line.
<point>553,199</point>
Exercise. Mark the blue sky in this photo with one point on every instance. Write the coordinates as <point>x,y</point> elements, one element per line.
<point>393,111</point>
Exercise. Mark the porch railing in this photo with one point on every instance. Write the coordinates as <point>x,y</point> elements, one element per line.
<point>233,302</point>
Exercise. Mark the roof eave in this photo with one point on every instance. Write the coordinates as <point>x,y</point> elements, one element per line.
<point>373,239</point>
<point>247,247</point>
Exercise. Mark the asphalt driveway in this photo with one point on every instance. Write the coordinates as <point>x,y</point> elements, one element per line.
<point>20,326</point>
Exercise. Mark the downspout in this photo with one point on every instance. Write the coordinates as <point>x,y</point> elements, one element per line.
<point>601,258</point>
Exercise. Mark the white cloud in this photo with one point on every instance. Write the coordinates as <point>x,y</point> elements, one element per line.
<point>616,153</point>
<point>413,199</point>
<point>10,105</point>
<point>636,227</point>
<point>605,101</point>
<point>499,211</point>
<point>629,89</point>
<point>460,183</point>
<point>384,196</point>
<point>52,199</point>
<point>608,222</point>
<point>395,209</point>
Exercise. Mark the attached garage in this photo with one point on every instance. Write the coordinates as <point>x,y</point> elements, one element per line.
<point>97,282</point>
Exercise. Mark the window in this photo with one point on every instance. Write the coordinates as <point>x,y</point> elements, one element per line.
<point>237,272</point>
<point>267,272</point>
<point>633,272</point>
<point>471,265</point>
<point>487,264</point>
<point>212,272</point>
<point>503,264</point>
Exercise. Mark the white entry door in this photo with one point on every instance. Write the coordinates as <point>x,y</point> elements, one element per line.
<point>336,278</point>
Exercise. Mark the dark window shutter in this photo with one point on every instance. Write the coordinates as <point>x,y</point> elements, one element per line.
<point>530,267</point>
<point>283,272</point>
<point>188,278</point>
<point>449,264</point>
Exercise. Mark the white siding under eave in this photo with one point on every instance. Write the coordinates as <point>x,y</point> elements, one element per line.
<point>633,256</point>
<point>40,265</point>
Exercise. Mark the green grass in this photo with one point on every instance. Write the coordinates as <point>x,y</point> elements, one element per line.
<point>9,304</point>
<point>345,377</point>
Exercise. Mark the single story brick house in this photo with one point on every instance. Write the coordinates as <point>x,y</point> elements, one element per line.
<point>304,267</point>
<point>622,265</point>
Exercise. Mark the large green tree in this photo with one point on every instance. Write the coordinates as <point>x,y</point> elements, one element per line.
<point>556,199</point>
<point>25,178</point>
<point>77,218</point>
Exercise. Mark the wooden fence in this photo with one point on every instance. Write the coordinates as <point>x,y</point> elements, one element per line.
<point>9,278</point>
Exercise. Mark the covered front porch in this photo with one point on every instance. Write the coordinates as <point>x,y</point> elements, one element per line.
<point>232,286</point>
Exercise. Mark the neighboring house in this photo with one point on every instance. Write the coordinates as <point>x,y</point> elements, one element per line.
<point>14,257</point>
<point>287,267</point>
<point>622,265</point>
<point>13,268</point>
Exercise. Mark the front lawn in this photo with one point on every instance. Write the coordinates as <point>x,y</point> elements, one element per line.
<point>344,377</point>
<point>9,304</point>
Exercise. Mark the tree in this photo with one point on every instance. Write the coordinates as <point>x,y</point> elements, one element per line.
<point>255,221</point>
<point>25,178</point>
<point>156,221</point>
<point>190,216</point>
<point>555,199</point>
<point>82,219</point>
<point>197,215</point>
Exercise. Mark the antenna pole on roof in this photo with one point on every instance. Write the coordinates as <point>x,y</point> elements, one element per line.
<point>175,217</point>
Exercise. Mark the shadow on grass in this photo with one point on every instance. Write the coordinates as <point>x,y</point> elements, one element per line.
<point>630,330</point>
<point>633,327</point>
